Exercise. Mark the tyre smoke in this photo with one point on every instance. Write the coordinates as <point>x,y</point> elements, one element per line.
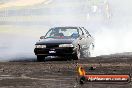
<point>108,21</point>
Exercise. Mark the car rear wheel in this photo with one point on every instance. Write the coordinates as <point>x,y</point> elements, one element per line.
<point>89,51</point>
<point>40,58</point>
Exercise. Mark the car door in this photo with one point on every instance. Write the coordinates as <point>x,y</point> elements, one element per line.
<point>88,39</point>
<point>81,39</point>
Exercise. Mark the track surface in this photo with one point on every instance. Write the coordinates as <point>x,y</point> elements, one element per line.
<point>62,74</point>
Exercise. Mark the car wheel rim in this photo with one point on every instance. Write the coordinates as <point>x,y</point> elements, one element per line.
<point>87,53</point>
<point>90,51</point>
<point>78,53</point>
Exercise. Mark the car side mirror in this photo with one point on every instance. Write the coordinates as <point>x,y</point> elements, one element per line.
<point>42,37</point>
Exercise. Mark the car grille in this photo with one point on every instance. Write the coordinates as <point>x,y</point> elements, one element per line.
<point>52,46</point>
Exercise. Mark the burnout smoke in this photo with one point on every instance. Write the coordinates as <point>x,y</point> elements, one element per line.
<point>108,21</point>
<point>114,35</point>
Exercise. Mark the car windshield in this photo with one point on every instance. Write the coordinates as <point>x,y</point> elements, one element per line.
<point>63,33</point>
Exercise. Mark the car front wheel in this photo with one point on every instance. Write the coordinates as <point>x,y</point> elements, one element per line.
<point>40,58</point>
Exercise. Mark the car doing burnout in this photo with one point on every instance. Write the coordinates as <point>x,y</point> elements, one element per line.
<point>69,42</point>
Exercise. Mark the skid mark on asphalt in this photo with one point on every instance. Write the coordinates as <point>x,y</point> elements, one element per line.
<point>26,77</point>
<point>22,77</point>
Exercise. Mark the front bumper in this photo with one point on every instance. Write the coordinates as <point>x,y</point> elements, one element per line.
<point>55,51</point>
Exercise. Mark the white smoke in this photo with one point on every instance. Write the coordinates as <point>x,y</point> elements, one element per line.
<point>112,31</point>
<point>112,41</point>
<point>114,36</point>
<point>19,44</point>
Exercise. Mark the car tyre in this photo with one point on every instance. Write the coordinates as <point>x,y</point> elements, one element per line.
<point>40,58</point>
<point>89,51</point>
<point>75,57</point>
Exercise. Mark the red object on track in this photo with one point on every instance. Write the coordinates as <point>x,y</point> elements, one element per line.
<point>101,78</point>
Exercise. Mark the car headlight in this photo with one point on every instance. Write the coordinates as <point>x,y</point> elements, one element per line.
<point>65,45</point>
<point>40,46</point>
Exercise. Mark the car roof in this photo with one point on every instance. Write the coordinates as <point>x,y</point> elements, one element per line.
<point>67,27</point>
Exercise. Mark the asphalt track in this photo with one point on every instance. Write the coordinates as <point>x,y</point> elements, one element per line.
<point>61,73</point>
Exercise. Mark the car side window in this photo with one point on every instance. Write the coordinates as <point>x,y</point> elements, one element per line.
<point>87,33</point>
<point>80,32</point>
